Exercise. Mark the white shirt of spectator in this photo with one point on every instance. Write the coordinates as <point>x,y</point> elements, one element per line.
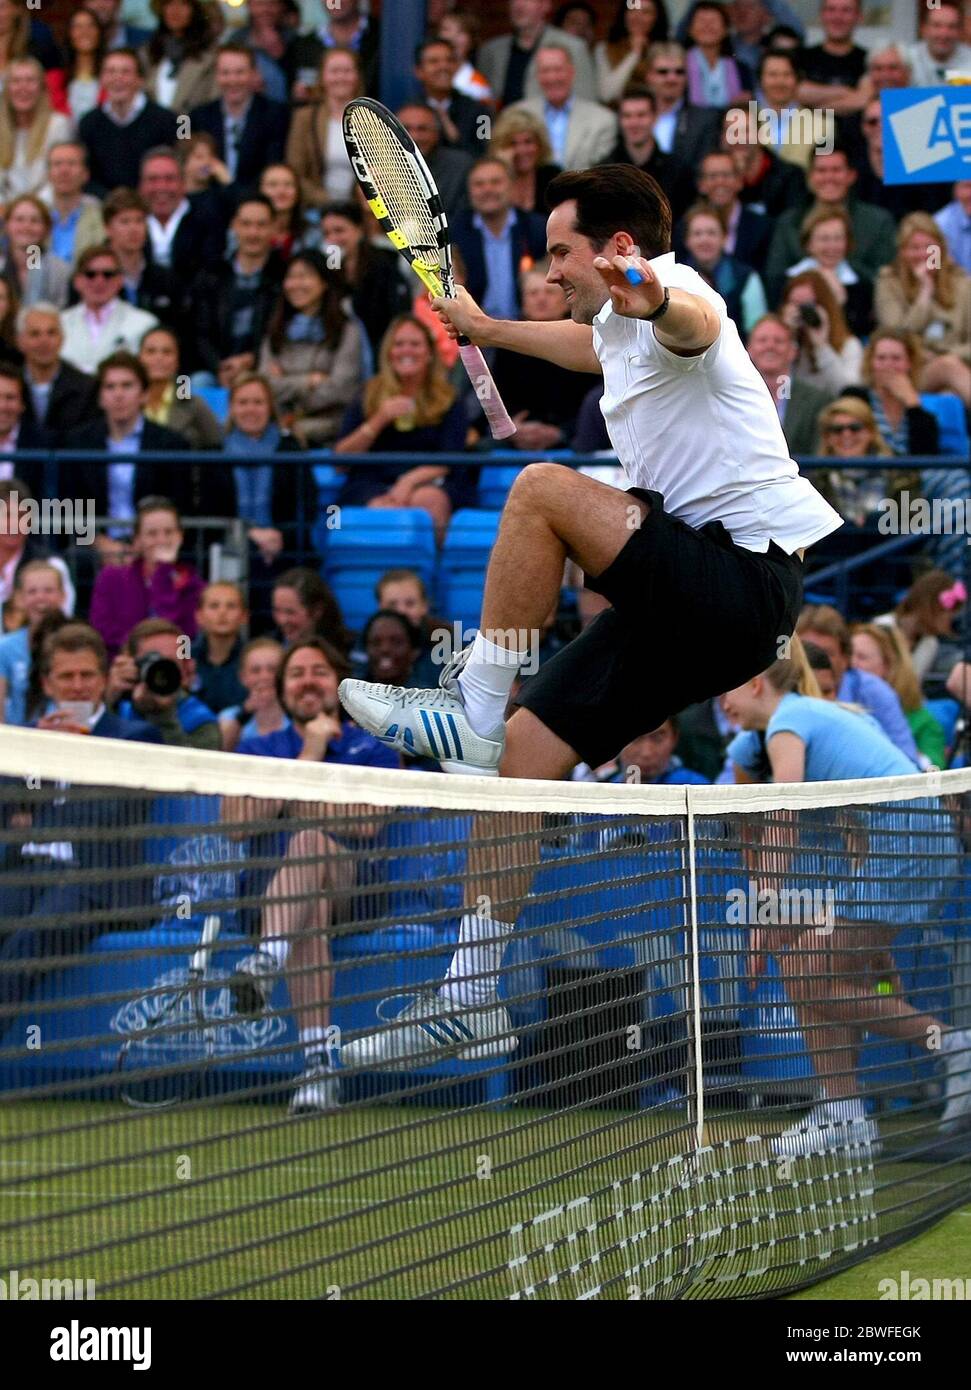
<point>134,111</point>
<point>664,128</point>
<point>163,237</point>
<point>61,851</point>
<point>166,82</point>
<point>926,71</point>
<point>703,431</point>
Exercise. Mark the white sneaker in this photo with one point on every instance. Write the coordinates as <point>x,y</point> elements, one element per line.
<point>429,1028</point>
<point>252,983</point>
<point>318,1091</point>
<point>830,1126</point>
<point>956,1047</point>
<point>426,723</point>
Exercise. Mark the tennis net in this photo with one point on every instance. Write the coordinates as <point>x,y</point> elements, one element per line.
<point>727,1052</point>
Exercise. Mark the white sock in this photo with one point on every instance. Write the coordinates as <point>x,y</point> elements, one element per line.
<point>473,975</point>
<point>278,947</point>
<point>849,1108</point>
<point>485,683</point>
<point>316,1047</point>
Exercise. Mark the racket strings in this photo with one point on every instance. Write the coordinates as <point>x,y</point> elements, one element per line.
<point>395,176</point>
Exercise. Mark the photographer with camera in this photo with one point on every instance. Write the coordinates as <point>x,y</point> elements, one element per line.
<point>830,356</point>
<point>150,680</point>
<point>156,584</point>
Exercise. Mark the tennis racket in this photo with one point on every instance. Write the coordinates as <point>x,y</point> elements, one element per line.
<point>165,1063</point>
<point>402,194</point>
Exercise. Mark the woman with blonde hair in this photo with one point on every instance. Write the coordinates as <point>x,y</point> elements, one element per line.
<point>411,408</point>
<point>14,34</point>
<point>830,975</point>
<point>924,291</point>
<point>830,356</point>
<point>520,140</point>
<point>315,145</point>
<point>28,128</point>
<point>34,278</point>
<point>848,429</point>
<point>882,651</point>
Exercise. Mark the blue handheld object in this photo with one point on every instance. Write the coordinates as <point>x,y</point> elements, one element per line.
<point>634,276</point>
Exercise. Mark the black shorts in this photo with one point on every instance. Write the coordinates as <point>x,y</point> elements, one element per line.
<point>693,615</point>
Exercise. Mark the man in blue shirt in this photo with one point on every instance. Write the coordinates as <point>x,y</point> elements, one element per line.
<point>955,222</point>
<point>316,881</point>
<point>497,241</point>
<point>825,627</point>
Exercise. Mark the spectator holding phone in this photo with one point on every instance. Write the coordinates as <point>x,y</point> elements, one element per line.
<point>74,674</point>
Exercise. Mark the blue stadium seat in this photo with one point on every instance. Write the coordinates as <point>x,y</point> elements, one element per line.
<point>462,568</point>
<point>217,399</point>
<point>952,422</point>
<point>329,483</point>
<point>369,541</point>
<point>495,480</point>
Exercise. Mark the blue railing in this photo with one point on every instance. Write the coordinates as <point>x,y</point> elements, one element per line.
<point>835,574</point>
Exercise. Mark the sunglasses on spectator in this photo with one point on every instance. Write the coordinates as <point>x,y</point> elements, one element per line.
<point>100,274</point>
<point>841,429</point>
<point>670,72</point>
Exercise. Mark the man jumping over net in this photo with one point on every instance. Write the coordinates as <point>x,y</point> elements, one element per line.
<point>701,561</point>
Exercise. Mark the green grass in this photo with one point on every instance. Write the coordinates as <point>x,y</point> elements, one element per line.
<point>395,1201</point>
<point>944,1252</point>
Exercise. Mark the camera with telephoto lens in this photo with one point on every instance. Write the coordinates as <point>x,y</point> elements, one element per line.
<point>159,674</point>
<point>809,315</point>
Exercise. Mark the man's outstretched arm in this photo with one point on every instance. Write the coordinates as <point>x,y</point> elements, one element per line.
<point>563,342</point>
<point>688,326</point>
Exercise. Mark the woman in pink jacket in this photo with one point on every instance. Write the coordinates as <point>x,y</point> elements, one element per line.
<point>154,585</point>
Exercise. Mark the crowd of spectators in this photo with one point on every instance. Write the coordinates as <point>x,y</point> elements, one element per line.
<point>187,264</point>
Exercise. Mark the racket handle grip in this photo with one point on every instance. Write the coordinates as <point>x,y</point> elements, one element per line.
<point>495,412</point>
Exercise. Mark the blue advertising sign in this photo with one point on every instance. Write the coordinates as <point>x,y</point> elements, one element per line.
<point>926,134</point>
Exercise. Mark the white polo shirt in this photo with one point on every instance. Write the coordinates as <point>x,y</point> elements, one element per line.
<point>704,431</point>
